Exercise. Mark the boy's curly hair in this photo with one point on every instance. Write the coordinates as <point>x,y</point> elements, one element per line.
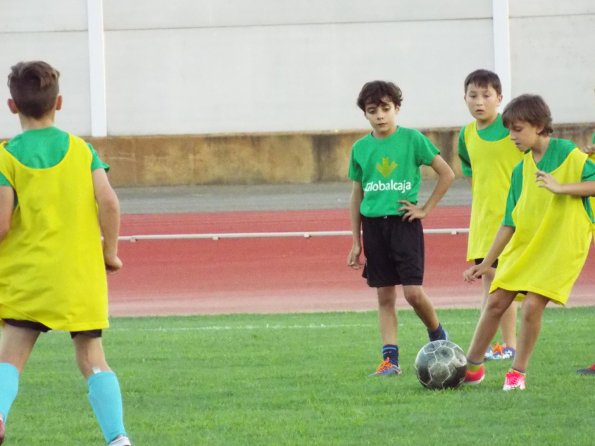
<point>375,91</point>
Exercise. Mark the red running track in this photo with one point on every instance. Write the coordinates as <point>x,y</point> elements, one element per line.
<point>263,275</point>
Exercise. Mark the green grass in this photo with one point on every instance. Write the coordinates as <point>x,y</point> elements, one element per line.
<point>301,379</point>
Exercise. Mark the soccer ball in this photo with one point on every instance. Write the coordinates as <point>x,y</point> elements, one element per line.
<point>441,365</point>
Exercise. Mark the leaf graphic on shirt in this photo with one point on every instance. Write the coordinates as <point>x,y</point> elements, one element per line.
<point>386,167</point>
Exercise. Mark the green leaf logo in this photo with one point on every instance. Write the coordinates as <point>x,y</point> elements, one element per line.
<point>386,167</point>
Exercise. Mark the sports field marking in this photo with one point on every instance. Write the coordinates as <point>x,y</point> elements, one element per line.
<point>231,235</point>
<point>248,327</point>
<point>266,327</point>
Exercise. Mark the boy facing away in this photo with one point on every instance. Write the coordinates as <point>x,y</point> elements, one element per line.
<point>55,204</point>
<point>544,239</point>
<point>385,170</point>
<point>487,158</point>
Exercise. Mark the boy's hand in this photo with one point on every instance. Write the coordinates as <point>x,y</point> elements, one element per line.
<point>353,257</point>
<point>589,150</point>
<point>412,212</point>
<point>548,182</point>
<point>475,272</point>
<point>112,263</point>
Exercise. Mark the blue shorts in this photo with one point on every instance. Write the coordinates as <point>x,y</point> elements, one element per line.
<point>394,251</point>
<point>38,326</point>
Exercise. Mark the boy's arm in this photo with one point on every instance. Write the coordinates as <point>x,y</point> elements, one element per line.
<point>6,208</point>
<point>109,219</point>
<point>503,236</point>
<point>464,155</point>
<point>583,189</point>
<point>445,178</point>
<point>357,195</point>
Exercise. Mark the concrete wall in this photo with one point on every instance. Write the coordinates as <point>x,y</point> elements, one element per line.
<point>204,91</point>
<point>257,158</point>
<point>207,66</point>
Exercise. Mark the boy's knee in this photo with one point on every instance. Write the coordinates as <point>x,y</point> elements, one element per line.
<point>414,296</point>
<point>387,296</point>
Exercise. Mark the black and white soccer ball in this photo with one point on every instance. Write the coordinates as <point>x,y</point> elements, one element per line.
<point>441,365</point>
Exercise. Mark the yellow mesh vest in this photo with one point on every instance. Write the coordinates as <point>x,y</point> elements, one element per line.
<point>592,199</point>
<point>552,237</point>
<point>51,261</point>
<point>492,163</point>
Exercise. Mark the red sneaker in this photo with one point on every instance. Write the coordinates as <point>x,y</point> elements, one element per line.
<point>474,378</point>
<point>514,380</point>
<point>587,371</point>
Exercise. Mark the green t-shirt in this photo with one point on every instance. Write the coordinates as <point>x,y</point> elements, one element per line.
<point>493,132</point>
<point>43,148</point>
<point>389,169</point>
<point>555,155</point>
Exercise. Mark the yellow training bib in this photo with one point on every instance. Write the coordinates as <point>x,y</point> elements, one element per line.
<point>492,163</point>
<point>51,261</point>
<point>552,238</point>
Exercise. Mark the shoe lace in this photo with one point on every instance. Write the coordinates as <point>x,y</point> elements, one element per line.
<point>385,365</point>
<point>498,348</point>
<point>513,377</point>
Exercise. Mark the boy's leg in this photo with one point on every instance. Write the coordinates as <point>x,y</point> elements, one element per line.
<point>508,320</point>
<point>387,322</point>
<point>423,307</point>
<point>508,326</point>
<point>532,312</point>
<point>104,389</point>
<point>16,344</point>
<point>487,326</point>
<point>387,314</point>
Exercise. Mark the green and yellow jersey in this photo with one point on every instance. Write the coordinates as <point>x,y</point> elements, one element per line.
<point>488,157</point>
<point>43,148</point>
<point>51,260</point>
<point>552,233</point>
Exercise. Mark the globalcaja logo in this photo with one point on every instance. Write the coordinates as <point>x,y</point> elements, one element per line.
<point>386,167</point>
<point>392,185</point>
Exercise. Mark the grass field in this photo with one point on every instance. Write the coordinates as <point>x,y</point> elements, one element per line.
<point>301,379</point>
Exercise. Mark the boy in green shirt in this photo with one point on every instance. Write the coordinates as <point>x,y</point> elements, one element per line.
<point>385,170</point>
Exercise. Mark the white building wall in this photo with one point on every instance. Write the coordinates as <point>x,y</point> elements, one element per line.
<point>211,66</point>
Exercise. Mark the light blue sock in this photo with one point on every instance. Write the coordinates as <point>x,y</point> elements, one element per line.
<point>9,387</point>
<point>106,400</point>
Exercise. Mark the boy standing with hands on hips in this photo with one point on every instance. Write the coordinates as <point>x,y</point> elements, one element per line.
<point>385,170</point>
<point>55,204</point>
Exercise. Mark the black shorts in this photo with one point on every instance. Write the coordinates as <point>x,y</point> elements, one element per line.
<point>38,326</point>
<point>494,265</point>
<point>394,251</point>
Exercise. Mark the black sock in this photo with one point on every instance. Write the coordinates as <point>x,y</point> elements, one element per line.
<point>391,352</point>
<point>437,334</point>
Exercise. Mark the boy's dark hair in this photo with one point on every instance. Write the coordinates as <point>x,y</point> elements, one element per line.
<point>485,79</point>
<point>34,87</point>
<point>529,108</point>
<point>375,91</point>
